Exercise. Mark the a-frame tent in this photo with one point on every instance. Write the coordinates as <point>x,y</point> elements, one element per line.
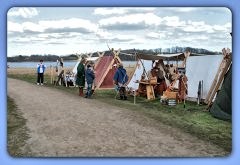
<point>198,68</point>
<point>106,69</point>
<point>222,106</point>
<point>201,68</point>
<point>89,58</point>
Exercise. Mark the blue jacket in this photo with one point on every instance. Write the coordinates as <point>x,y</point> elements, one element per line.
<point>90,76</point>
<point>121,76</point>
<point>41,68</point>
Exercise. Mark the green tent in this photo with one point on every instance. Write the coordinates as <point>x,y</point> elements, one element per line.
<point>222,106</point>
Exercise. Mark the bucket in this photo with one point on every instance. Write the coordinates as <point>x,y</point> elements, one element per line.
<point>171,102</point>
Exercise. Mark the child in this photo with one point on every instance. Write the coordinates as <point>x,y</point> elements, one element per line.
<point>40,70</point>
<point>90,76</point>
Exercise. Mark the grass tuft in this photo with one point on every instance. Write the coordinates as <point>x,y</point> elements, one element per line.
<point>17,132</point>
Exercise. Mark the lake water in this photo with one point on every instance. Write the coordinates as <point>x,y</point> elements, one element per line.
<point>67,64</point>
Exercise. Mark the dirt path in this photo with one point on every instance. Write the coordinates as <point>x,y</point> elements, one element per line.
<point>63,124</point>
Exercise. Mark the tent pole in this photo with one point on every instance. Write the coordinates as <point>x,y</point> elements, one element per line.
<point>144,70</point>
<point>134,99</point>
<point>202,92</point>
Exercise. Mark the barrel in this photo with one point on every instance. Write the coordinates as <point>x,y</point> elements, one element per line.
<point>171,102</point>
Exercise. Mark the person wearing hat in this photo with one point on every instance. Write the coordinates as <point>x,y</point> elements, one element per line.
<point>40,71</point>
<point>80,77</point>
<point>120,79</point>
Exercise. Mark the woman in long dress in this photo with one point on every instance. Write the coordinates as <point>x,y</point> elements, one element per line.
<point>80,79</point>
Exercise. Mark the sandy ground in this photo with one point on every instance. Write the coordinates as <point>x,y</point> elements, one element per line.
<point>65,125</point>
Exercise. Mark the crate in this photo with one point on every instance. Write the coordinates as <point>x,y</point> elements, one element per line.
<point>171,95</point>
<point>153,80</point>
<point>150,92</point>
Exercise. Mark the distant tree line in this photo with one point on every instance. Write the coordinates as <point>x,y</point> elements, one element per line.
<point>125,55</point>
<point>36,58</point>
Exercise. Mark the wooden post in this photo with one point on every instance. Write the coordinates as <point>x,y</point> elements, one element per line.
<point>223,69</point>
<point>51,74</point>
<point>186,54</point>
<point>214,82</point>
<point>134,99</point>
<point>202,92</point>
<point>116,53</point>
<point>100,54</point>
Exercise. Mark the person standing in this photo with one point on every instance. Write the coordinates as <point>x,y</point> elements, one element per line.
<point>60,73</point>
<point>80,79</point>
<point>120,79</point>
<point>90,76</point>
<point>182,86</point>
<point>40,70</point>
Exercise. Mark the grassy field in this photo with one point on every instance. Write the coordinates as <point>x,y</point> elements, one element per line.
<point>192,119</point>
<point>16,131</point>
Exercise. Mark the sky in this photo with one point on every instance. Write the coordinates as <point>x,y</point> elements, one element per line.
<point>71,30</point>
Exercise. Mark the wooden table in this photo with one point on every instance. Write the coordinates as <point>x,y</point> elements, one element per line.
<point>146,88</point>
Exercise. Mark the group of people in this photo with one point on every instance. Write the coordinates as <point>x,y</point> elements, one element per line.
<point>168,78</point>
<point>85,74</point>
<point>157,75</point>
<point>41,67</point>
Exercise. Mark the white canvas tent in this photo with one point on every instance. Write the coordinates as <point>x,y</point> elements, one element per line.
<point>198,68</point>
<point>147,64</point>
<point>93,59</point>
<point>201,68</point>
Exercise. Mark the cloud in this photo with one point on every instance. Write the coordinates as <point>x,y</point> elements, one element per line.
<point>201,26</point>
<point>154,35</point>
<point>48,36</point>
<point>124,27</point>
<point>109,11</point>
<point>23,12</point>
<point>185,9</point>
<point>132,21</point>
<point>173,21</point>
<point>121,10</point>
<point>55,26</point>
<point>123,38</point>
<point>56,43</point>
<point>73,23</point>
<point>14,27</point>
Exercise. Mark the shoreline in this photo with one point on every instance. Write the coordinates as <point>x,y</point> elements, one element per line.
<point>33,71</point>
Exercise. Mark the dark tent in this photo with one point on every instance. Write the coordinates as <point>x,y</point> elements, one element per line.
<point>222,106</point>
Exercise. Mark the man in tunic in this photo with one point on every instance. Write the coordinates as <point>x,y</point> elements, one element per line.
<point>120,79</point>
